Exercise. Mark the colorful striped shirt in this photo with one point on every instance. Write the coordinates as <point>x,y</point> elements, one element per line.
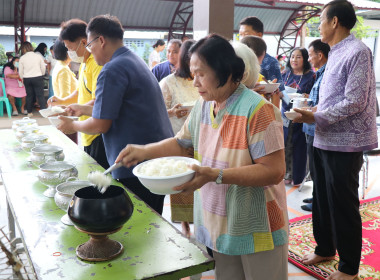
<point>232,219</point>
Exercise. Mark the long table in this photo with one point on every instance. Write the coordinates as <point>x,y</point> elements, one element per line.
<point>153,248</point>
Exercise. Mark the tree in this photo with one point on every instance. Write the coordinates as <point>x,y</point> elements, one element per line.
<point>360,30</point>
<point>3,55</point>
<point>147,50</point>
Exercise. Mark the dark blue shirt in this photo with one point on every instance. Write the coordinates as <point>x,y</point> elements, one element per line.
<point>314,96</point>
<point>162,70</point>
<point>128,94</point>
<point>271,70</point>
<point>303,84</point>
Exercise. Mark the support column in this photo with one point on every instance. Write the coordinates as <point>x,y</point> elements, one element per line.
<point>213,16</point>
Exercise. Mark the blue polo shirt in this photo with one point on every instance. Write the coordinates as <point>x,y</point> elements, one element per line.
<point>128,94</point>
<point>271,70</point>
<point>162,70</point>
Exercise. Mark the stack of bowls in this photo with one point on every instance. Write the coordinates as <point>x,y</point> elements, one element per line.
<point>32,140</point>
<point>25,130</point>
<point>23,122</point>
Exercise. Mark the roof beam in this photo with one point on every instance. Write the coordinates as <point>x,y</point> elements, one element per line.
<point>264,7</point>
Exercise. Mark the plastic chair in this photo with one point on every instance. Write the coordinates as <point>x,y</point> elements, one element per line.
<point>4,99</point>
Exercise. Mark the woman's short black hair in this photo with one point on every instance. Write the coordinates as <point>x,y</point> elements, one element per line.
<point>107,26</point>
<point>305,56</point>
<point>343,10</point>
<point>10,64</point>
<point>183,70</point>
<point>41,48</point>
<point>73,30</point>
<point>220,56</point>
<point>159,42</point>
<point>60,50</point>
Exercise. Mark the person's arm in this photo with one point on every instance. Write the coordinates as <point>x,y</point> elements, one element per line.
<point>55,101</point>
<point>42,66</point>
<point>355,92</point>
<point>133,154</point>
<point>8,73</point>
<point>21,68</point>
<point>90,126</point>
<point>275,73</point>
<point>267,170</point>
<point>64,86</point>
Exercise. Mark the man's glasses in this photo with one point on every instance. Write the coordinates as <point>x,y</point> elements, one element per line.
<point>88,46</point>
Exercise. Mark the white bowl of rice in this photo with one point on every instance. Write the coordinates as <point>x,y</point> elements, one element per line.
<point>161,175</point>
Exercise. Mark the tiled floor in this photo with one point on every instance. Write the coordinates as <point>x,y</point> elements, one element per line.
<point>294,198</point>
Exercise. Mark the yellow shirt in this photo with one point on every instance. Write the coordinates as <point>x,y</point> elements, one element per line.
<point>64,81</point>
<point>261,78</point>
<point>88,76</point>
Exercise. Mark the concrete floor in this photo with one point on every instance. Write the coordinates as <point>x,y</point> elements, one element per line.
<point>294,198</point>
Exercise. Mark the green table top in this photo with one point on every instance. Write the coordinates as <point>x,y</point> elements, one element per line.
<point>153,248</point>
<point>14,158</point>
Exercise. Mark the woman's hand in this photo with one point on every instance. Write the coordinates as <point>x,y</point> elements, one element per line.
<point>66,125</point>
<point>79,110</point>
<point>178,111</point>
<point>131,155</point>
<point>54,101</point>
<point>203,175</point>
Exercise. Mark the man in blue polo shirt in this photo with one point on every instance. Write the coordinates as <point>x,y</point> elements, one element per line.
<point>129,107</point>
<point>269,67</point>
<point>167,67</point>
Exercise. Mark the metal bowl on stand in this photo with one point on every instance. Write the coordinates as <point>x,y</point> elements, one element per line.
<point>64,194</point>
<point>53,173</point>
<point>42,153</point>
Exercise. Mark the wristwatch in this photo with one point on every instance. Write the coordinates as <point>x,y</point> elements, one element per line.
<point>220,177</point>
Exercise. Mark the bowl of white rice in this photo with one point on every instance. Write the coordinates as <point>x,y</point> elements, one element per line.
<point>161,175</point>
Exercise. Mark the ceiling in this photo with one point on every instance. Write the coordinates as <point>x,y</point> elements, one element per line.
<point>157,15</point>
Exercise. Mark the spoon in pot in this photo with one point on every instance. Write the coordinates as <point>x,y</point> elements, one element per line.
<point>101,180</point>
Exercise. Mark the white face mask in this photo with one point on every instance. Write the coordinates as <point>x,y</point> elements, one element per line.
<point>74,56</point>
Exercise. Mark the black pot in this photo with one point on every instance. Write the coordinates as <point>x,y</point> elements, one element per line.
<point>92,211</point>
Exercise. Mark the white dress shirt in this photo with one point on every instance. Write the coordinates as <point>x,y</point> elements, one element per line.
<point>31,65</point>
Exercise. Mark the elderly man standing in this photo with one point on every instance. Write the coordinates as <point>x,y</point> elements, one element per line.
<point>129,107</point>
<point>318,55</point>
<point>167,67</point>
<point>345,127</point>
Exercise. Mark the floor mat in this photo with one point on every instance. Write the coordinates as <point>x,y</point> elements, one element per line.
<point>301,242</point>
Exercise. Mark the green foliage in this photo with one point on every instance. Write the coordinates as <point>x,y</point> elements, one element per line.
<point>3,55</point>
<point>134,47</point>
<point>360,30</point>
<point>147,50</point>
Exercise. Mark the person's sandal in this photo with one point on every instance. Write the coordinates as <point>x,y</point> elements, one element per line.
<point>307,207</point>
<point>14,113</point>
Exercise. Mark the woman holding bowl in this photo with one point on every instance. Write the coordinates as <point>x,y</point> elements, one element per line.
<point>299,76</point>
<point>239,196</point>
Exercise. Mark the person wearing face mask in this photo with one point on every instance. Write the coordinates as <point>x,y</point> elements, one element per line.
<point>168,67</point>
<point>32,70</point>
<point>13,85</point>
<point>73,34</point>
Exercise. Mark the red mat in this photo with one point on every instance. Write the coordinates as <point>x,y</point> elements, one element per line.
<point>301,242</point>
